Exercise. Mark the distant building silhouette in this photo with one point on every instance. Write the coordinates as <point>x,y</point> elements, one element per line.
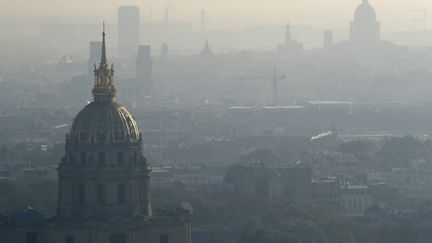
<point>365,44</point>
<point>144,70</point>
<point>327,39</point>
<point>164,51</point>
<point>365,28</point>
<point>203,20</point>
<point>94,55</point>
<point>206,51</point>
<point>128,29</point>
<point>166,16</point>
<point>290,47</point>
<point>276,183</point>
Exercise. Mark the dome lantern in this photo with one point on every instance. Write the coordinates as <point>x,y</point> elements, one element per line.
<point>365,12</point>
<point>104,89</point>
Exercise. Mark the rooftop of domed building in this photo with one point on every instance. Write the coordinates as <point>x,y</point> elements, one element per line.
<point>104,121</point>
<point>365,12</point>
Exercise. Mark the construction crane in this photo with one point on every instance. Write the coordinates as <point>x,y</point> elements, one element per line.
<point>275,80</point>
<point>424,17</point>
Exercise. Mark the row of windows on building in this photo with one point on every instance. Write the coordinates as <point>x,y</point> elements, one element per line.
<point>103,136</point>
<point>355,207</point>
<point>327,199</point>
<point>32,237</point>
<point>101,158</point>
<point>357,199</point>
<point>101,194</point>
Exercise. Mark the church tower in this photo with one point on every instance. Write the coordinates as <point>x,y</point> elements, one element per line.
<point>103,173</point>
<point>289,47</point>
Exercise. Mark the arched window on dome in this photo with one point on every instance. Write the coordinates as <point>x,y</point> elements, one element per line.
<point>101,159</point>
<point>118,238</point>
<point>31,237</point>
<point>121,193</point>
<point>81,194</point>
<point>83,158</point>
<point>143,160</point>
<point>71,158</point>
<point>101,194</point>
<point>84,134</point>
<point>163,238</point>
<point>69,239</point>
<point>120,159</point>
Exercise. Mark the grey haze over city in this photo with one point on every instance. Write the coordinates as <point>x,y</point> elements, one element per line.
<point>204,121</point>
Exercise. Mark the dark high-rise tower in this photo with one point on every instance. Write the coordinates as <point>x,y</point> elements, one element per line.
<point>144,70</point>
<point>327,38</point>
<point>95,48</point>
<point>203,20</point>
<point>128,29</point>
<point>164,51</point>
<point>103,172</point>
<point>166,16</point>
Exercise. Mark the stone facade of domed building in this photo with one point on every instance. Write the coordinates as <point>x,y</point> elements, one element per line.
<point>103,183</point>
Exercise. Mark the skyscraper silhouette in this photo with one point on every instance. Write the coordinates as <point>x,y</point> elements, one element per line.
<point>95,48</point>
<point>144,70</point>
<point>128,30</point>
<point>327,38</point>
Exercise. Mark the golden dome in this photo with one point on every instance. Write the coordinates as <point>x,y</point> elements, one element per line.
<point>104,122</point>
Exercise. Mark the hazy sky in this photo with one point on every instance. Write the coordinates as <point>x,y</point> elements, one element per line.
<point>394,14</point>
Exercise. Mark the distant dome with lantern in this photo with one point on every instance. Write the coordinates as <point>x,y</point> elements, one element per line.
<point>365,12</point>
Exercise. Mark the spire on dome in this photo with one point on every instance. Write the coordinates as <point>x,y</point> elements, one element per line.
<point>103,57</point>
<point>104,89</point>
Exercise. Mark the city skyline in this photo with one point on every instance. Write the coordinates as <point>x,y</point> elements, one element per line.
<point>393,15</point>
<point>203,121</point>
